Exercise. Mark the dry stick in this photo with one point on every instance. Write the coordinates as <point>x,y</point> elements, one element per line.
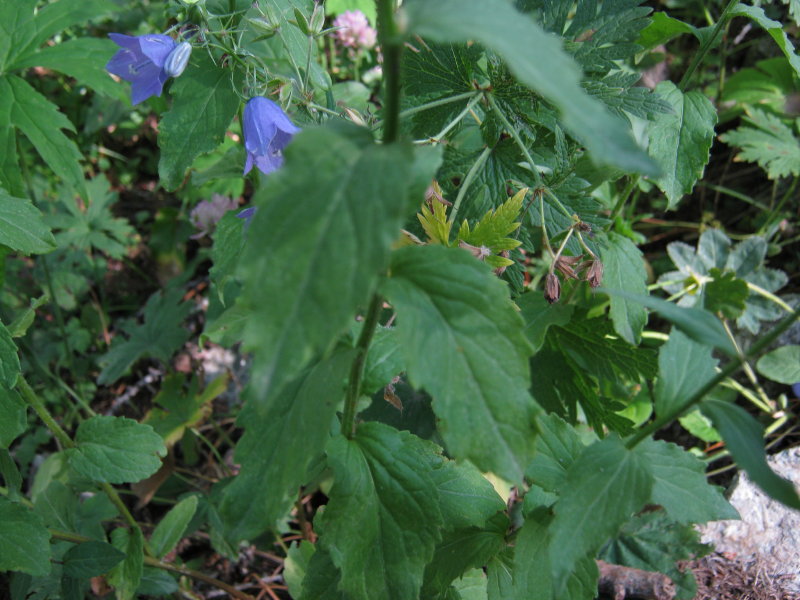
<point>626,582</point>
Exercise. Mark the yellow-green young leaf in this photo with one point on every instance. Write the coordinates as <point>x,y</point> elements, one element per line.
<point>324,226</point>
<point>603,488</point>
<point>22,227</point>
<point>435,223</point>
<point>116,450</point>
<point>204,103</point>
<point>462,341</point>
<point>680,141</point>
<point>13,420</point>
<point>744,437</point>
<point>680,484</point>
<point>496,224</point>
<point>171,528</point>
<point>522,44</point>
<point>382,521</point>
<point>24,540</point>
<point>41,122</point>
<point>781,365</point>
<point>285,434</point>
<point>91,559</point>
<point>125,577</point>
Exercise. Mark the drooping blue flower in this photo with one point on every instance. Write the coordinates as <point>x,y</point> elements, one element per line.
<point>267,130</point>
<point>141,61</point>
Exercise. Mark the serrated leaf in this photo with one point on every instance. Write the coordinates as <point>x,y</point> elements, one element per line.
<point>159,336</point>
<point>116,450</point>
<point>680,485</point>
<point>295,566</point>
<point>479,385</point>
<point>680,141</point>
<point>540,315</point>
<point>520,42</point>
<point>698,324</point>
<point>41,122</point>
<point>768,142</point>
<point>434,222</point>
<point>24,541</point>
<point>384,361</point>
<point>91,559</point>
<point>661,29</point>
<point>319,259</point>
<point>204,103</point>
<point>127,575</point>
<point>603,489</point>
<point>684,366</point>
<point>558,446</point>
<point>285,433</point>
<point>24,320</point>
<point>382,521</point>
<point>13,415</point>
<point>495,225</point>
<point>725,294</point>
<point>744,437</point>
<point>781,365</point>
<point>80,58</point>
<point>57,505</point>
<point>22,227</point>
<point>773,28</point>
<point>9,360</point>
<point>171,528</point>
<point>624,270</point>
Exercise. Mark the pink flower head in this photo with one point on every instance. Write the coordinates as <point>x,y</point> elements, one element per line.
<point>354,30</point>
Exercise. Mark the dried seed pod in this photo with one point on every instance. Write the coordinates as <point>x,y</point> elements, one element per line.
<point>595,273</point>
<point>564,265</point>
<point>479,252</point>
<point>552,288</point>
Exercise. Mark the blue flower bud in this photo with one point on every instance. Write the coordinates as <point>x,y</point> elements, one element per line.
<point>178,59</point>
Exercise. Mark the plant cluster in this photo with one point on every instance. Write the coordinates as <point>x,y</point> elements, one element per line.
<point>457,351</point>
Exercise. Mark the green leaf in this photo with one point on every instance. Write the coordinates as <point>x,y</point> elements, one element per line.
<point>204,103</point>
<point>41,122</point>
<point>9,360</point>
<point>540,315</point>
<point>624,270</point>
<point>285,434</point>
<point>116,450</point>
<point>471,585</point>
<point>318,260</point>
<point>698,324</point>
<point>22,228</point>
<point>83,59</point>
<point>16,29</point>
<point>125,577</point>
<point>159,336</point>
<point>663,28</point>
<point>229,240</point>
<point>680,484</point>
<point>171,528</point>
<point>725,294</point>
<point>382,521</point>
<point>24,541</point>
<point>295,566</point>
<point>522,43</point>
<point>57,505</point>
<point>19,326</point>
<point>680,141</point>
<point>91,559</point>
<point>384,361</point>
<point>773,28</point>
<point>603,489</point>
<point>768,142</point>
<point>781,365</point>
<point>558,446</point>
<point>13,415</point>
<point>499,570</point>
<point>744,437</point>
<point>479,385</point>
<point>684,366</point>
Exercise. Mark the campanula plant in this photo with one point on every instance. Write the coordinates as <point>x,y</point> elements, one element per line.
<point>147,61</point>
<point>267,131</point>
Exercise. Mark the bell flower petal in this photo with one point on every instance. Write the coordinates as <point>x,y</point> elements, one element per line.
<point>267,131</point>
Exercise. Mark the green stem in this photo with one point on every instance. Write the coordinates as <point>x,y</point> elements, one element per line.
<point>769,296</point>
<point>392,44</point>
<point>726,372</point>
<point>428,105</point>
<point>517,140</point>
<point>357,366</point>
<point>462,190</point>
<point>438,137</point>
<point>623,198</point>
<point>700,56</point>
<point>557,202</point>
<point>39,408</point>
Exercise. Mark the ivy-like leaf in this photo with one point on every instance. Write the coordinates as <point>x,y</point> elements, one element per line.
<point>479,385</point>
<point>205,102</point>
<point>284,435</point>
<point>680,141</point>
<point>382,521</point>
<point>766,140</point>
<point>116,450</point>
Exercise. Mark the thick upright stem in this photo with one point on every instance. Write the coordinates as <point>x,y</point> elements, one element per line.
<point>392,46</point>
